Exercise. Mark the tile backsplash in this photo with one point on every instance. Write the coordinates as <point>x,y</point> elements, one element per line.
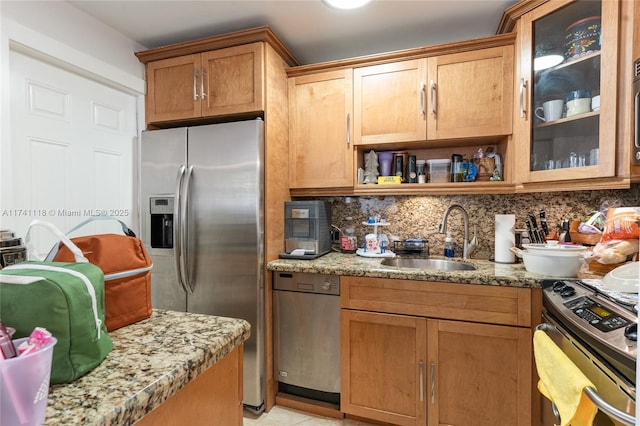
<point>420,216</point>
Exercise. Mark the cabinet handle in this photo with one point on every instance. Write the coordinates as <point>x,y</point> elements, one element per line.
<point>433,383</point>
<point>348,128</point>
<point>422,95</point>
<point>433,97</point>
<point>523,85</point>
<point>202,92</point>
<point>195,85</point>
<point>421,365</point>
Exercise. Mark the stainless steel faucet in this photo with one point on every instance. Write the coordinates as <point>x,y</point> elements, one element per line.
<point>443,228</point>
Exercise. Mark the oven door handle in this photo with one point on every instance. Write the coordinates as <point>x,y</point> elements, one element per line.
<point>609,409</point>
<point>595,397</point>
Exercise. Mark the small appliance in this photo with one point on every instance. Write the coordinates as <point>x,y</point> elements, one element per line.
<point>307,229</point>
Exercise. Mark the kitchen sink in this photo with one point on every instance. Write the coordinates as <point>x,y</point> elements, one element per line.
<point>421,263</point>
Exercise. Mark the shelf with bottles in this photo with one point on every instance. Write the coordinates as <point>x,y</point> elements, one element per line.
<point>441,150</point>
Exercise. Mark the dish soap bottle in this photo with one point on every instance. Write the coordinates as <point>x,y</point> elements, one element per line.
<point>448,246</point>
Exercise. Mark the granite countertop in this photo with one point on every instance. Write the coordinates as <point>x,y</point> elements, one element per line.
<point>487,273</point>
<point>151,360</point>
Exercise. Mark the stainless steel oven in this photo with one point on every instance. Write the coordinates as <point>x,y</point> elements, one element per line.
<point>597,330</point>
<point>636,113</point>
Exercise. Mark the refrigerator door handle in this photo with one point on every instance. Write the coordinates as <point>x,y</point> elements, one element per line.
<point>185,232</point>
<point>177,238</point>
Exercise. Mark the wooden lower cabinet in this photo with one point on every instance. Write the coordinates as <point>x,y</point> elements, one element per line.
<point>479,374</point>
<point>383,367</point>
<point>214,398</point>
<point>405,367</point>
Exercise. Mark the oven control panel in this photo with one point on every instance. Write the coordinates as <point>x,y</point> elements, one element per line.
<point>595,314</point>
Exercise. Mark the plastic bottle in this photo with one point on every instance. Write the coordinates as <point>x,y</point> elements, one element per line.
<point>448,246</point>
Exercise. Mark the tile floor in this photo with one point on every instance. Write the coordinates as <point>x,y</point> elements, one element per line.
<point>281,416</point>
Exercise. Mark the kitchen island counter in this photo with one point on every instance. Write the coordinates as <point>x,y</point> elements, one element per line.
<point>151,361</point>
<point>487,272</point>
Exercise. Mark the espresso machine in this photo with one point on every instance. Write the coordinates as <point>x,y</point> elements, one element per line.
<point>307,229</point>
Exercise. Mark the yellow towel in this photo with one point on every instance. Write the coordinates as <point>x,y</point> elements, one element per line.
<point>562,382</point>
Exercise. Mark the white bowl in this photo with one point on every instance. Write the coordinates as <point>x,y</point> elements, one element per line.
<point>555,248</point>
<point>625,278</point>
<point>557,265</point>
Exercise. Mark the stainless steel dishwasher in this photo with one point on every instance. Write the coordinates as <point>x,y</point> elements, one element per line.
<point>307,335</point>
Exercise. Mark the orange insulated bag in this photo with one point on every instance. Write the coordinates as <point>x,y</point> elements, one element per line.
<point>127,271</point>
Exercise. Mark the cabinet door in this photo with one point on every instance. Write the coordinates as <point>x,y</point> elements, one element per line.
<point>320,133</point>
<point>577,140</point>
<point>383,369</point>
<point>479,374</point>
<point>389,102</point>
<point>233,80</point>
<point>173,89</point>
<point>470,94</point>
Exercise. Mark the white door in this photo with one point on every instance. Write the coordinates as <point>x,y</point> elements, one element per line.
<point>72,145</point>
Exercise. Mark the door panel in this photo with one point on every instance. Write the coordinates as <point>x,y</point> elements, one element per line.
<point>320,131</point>
<point>482,374</point>
<point>173,88</point>
<point>162,154</point>
<point>226,231</point>
<point>71,151</point>
<point>383,373</point>
<point>233,80</point>
<point>389,102</point>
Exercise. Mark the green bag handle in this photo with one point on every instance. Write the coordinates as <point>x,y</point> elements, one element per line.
<point>32,254</point>
<point>77,274</point>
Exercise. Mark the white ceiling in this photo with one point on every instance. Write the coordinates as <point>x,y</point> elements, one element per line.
<point>312,31</point>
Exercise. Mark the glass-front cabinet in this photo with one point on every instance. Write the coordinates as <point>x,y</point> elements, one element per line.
<point>566,105</point>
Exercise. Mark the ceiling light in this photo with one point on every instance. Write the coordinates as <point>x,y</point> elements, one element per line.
<point>346,4</point>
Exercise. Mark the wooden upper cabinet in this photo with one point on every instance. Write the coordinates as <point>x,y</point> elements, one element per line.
<point>220,82</point>
<point>389,102</point>
<point>470,94</point>
<point>202,80</point>
<point>173,90</point>
<point>320,131</point>
<point>455,96</point>
<point>233,80</point>
<point>578,149</point>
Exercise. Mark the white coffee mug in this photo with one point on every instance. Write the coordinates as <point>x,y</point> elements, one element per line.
<point>551,110</point>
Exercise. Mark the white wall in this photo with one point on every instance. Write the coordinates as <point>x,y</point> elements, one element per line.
<point>61,22</point>
<point>67,37</point>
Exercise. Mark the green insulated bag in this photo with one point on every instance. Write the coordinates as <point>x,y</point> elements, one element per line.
<point>68,300</point>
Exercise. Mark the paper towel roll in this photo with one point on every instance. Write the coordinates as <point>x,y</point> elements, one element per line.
<point>505,238</point>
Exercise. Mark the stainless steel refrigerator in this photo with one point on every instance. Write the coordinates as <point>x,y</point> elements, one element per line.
<point>202,212</point>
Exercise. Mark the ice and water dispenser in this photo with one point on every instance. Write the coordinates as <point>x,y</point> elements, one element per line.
<point>161,210</point>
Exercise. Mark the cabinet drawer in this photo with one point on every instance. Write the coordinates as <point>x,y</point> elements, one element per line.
<point>467,302</point>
